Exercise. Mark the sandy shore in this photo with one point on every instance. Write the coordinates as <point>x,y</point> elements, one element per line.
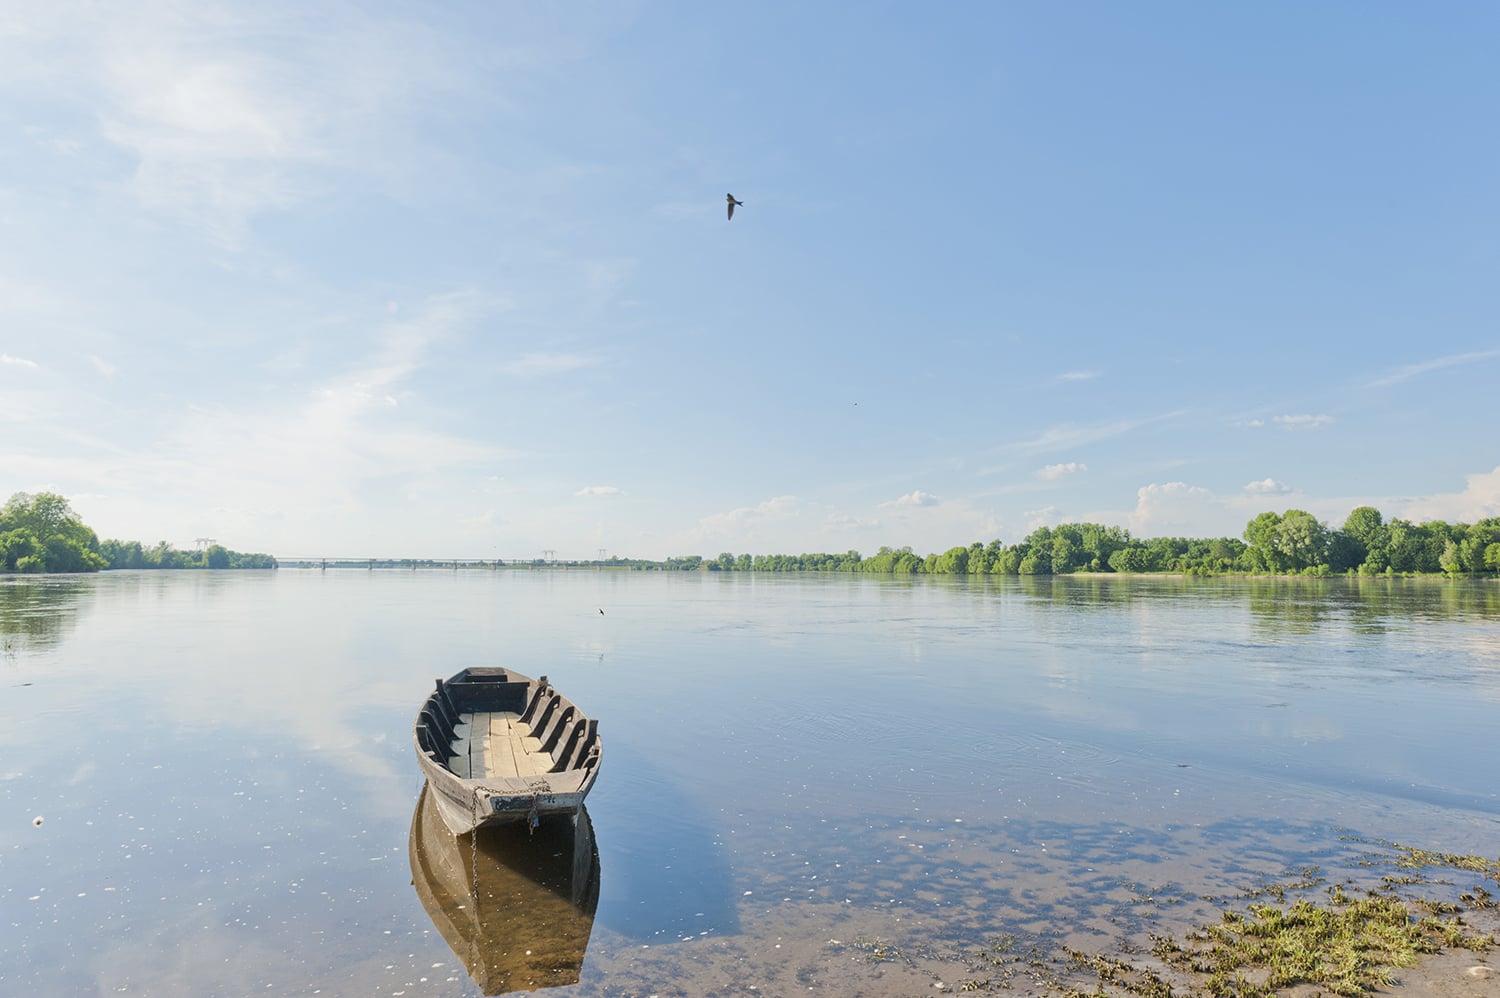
<point>1459,974</point>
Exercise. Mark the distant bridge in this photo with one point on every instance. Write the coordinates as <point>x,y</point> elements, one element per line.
<point>413,564</point>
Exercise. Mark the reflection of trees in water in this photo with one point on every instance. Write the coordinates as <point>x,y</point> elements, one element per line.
<point>1367,605</point>
<point>1290,606</point>
<point>1284,604</point>
<point>1101,590</point>
<point>36,612</point>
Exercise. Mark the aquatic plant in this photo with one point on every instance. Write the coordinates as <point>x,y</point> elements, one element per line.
<point>1342,944</point>
<point>1348,946</point>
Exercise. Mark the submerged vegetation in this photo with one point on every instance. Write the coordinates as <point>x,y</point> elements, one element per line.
<point>42,533</point>
<point>1347,945</point>
<point>1301,936</point>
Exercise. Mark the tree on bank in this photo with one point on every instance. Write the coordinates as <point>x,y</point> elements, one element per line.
<point>42,533</point>
<point>1293,542</point>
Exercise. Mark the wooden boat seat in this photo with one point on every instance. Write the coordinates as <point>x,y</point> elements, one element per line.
<point>496,744</point>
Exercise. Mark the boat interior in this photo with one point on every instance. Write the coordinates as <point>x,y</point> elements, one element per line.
<point>494,724</point>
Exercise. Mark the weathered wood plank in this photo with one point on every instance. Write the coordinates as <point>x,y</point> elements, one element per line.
<point>524,735</point>
<point>502,750</point>
<point>530,760</point>
<point>497,744</point>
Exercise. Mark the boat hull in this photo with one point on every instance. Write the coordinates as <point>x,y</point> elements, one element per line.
<point>500,748</point>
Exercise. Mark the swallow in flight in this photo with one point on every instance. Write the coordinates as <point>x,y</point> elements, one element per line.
<point>732,203</point>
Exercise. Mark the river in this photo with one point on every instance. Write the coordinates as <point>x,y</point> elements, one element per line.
<point>844,785</point>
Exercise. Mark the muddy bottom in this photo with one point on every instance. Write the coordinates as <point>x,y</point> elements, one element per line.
<point>825,952</point>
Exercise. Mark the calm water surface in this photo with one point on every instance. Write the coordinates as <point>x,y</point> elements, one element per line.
<point>794,767</point>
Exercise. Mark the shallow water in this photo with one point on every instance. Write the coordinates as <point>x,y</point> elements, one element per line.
<point>794,766</point>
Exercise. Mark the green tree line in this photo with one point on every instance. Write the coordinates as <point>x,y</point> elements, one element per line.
<point>42,533</point>
<point>1291,543</point>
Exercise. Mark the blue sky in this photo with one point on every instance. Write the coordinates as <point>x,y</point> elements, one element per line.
<point>456,280</point>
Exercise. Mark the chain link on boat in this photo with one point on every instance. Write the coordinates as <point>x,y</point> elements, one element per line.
<point>537,785</point>
<point>474,848</point>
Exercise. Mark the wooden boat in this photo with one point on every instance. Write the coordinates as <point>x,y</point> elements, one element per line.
<point>498,747</point>
<point>516,907</point>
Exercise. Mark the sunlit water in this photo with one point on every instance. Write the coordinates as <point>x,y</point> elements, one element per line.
<point>794,766</point>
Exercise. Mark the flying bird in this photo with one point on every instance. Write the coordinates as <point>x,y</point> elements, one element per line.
<point>732,203</point>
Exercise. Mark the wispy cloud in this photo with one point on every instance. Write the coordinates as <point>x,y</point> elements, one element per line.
<point>24,407</point>
<point>1250,423</point>
<point>1400,374</point>
<point>1302,422</point>
<point>6,358</point>
<point>313,464</point>
<point>219,128</point>
<point>1067,435</point>
<point>1268,487</point>
<point>214,134</point>
<point>539,364</point>
<point>1055,471</point>
<point>1078,375</point>
<point>598,490</point>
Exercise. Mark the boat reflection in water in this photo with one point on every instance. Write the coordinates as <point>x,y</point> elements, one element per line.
<point>516,906</point>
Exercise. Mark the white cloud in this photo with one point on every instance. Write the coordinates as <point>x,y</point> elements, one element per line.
<point>1044,517</point>
<point>538,364</point>
<point>1252,423</point>
<point>1302,422</point>
<point>1173,509</point>
<point>1412,370</point>
<point>1078,375</point>
<point>1055,471</point>
<point>917,498</point>
<point>843,522</point>
<point>1176,509</point>
<point>1479,500</point>
<point>1268,487</point>
<point>778,508</point>
<point>598,490</point>
<point>6,358</point>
